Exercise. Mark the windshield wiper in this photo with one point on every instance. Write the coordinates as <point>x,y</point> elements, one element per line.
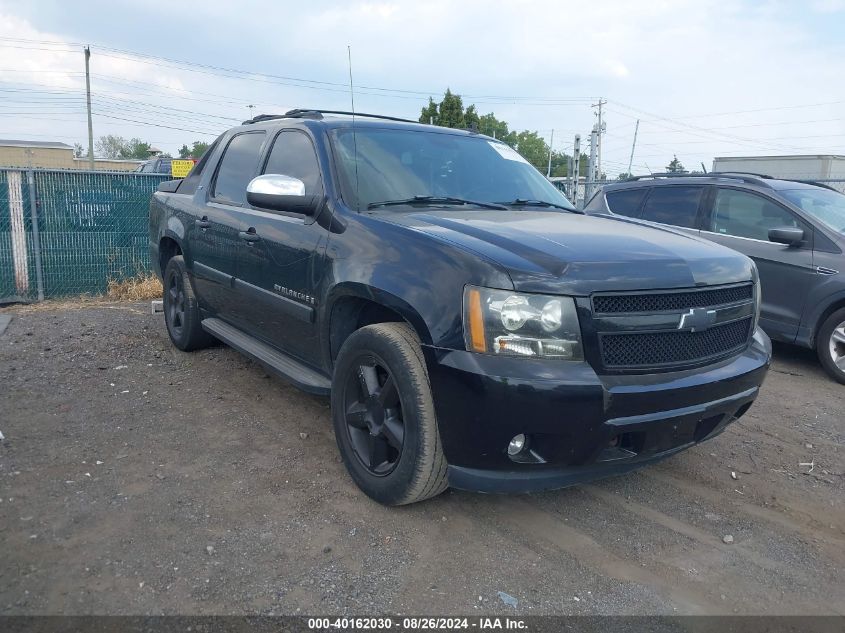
<point>521,202</point>
<point>435,200</point>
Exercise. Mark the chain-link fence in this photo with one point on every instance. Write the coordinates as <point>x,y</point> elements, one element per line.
<point>70,232</point>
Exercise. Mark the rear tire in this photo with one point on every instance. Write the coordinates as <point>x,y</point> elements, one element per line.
<point>830,345</point>
<point>383,415</point>
<point>181,310</point>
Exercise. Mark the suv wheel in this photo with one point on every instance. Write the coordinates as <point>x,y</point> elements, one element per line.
<point>181,311</point>
<point>383,415</point>
<point>830,345</point>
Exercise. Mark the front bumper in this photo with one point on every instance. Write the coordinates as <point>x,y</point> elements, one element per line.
<point>581,425</point>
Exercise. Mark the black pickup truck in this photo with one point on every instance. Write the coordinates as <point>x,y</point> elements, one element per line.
<point>471,327</point>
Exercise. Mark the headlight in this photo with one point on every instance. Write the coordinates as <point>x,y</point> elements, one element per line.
<point>517,324</point>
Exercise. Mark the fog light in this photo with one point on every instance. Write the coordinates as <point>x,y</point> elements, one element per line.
<point>516,444</point>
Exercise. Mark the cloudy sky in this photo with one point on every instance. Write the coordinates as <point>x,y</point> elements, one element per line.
<point>704,77</point>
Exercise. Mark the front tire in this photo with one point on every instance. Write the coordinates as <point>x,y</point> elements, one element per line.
<point>181,310</point>
<point>830,345</point>
<point>383,416</point>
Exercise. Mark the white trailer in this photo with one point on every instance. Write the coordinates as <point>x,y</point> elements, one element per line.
<point>806,167</point>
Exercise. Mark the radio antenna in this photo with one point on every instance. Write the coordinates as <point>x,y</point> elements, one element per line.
<point>354,139</point>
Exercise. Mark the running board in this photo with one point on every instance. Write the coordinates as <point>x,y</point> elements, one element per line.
<point>277,362</point>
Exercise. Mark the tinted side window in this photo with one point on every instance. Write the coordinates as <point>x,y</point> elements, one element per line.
<point>677,206</point>
<point>626,202</point>
<point>237,167</point>
<point>745,214</point>
<point>293,155</point>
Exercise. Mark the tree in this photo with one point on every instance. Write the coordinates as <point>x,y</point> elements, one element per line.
<point>135,149</point>
<point>117,147</point>
<point>624,176</point>
<point>471,118</point>
<point>78,151</point>
<point>110,146</point>
<point>197,149</point>
<point>675,167</point>
<point>430,114</point>
<point>451,111</point>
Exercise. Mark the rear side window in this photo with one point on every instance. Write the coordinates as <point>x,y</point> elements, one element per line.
<point>237,167</point>
<point>293,155</point>
<point>626,202</point>
<point>677,206</point>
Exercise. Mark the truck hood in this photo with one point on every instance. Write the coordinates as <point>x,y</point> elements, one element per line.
<point>568,253</point>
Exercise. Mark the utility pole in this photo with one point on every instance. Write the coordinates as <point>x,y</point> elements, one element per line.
<point>600,129</point>
<point>551,143</point>
<point>633,145</point>
<point>591,171</point>
<point>576,167</point>
<point>88,97</point>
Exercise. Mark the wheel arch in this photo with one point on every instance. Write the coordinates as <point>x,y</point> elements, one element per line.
<point>837,304</point>
<point>351,306</point>
<point>168,247</point>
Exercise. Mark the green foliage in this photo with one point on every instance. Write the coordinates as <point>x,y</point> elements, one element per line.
<point>117,147</point>
<point>624,176</point>
<point>675,166</point>
<point>196,150</point>
<point>136,149</point>
<point>430,113</point>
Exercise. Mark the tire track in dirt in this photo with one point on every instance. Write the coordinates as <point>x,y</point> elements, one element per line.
<point>706,540</point>
<point>529,519</point>
<point>780,519</point>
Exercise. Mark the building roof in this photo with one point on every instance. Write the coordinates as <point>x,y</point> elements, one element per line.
<point>785,156</point>
<point>34,144</point>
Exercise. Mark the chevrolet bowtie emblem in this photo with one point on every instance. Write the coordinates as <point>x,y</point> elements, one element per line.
<point>697,320</point>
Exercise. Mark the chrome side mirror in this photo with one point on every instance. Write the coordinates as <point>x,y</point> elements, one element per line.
<point>278,192</point>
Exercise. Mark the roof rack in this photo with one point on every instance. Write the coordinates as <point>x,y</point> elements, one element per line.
<point>755,179</point>
<point>815,183</point>
<point>300,113</point>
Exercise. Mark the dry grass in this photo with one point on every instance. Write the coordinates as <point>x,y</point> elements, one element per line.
<point>139,288</point>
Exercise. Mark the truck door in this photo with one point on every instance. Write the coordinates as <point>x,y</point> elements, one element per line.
<point>216,235</point>
<point>280,270</point>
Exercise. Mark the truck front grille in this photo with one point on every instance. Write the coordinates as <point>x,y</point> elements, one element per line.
<point>614,304</point>
<point>671,348</point>
<point>641,331</point>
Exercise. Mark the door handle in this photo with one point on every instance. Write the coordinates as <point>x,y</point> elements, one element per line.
<point>203,222</point>
<point>249,236</point>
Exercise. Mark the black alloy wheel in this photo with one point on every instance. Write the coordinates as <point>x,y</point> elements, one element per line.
<point>175,301</point>
<point>373,415</point>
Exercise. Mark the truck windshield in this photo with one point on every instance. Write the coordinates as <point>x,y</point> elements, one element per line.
<point>825,205</point>
<point>394,166</point>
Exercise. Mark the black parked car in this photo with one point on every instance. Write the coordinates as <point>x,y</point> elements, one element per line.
<point>159,165</point>
<point>471,327</point>
<point>794,231</point>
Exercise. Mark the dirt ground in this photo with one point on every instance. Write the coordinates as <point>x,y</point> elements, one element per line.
<point>136,479</point>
